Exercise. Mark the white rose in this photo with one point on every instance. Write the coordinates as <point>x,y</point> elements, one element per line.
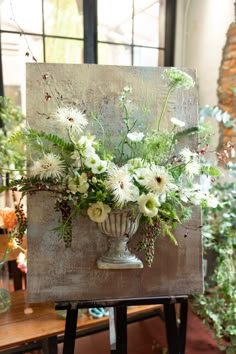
<point>98,212</point>
<point>148,204</point>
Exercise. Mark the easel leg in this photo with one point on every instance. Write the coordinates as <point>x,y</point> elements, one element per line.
<point>49,345</point>
<point>70,331</point>
<point>118,337</point>
<point>183,325</point>
<point>171,328</point>
<point>176,335</point>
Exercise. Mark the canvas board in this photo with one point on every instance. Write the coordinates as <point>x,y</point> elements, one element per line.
<point>56,273</point>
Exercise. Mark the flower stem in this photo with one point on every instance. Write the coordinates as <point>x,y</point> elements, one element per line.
<point>164,107</point>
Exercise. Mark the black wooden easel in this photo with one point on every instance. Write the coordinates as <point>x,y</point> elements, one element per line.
<point>175,333</point>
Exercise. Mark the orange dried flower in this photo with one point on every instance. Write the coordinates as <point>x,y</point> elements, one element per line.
<point>12,244</point>
<point>7,218</point>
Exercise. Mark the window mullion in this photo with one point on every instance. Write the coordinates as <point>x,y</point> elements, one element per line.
<point>90,31</point>
<point>170,19</point>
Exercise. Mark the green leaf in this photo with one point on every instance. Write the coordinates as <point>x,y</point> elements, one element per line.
<point>211,171</point>
<point>186,132</point>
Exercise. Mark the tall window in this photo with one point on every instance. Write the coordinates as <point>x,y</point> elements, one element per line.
<point>131,32</point>
<point>124,32</point>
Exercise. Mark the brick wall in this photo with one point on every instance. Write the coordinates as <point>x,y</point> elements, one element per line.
<point>227,82</point>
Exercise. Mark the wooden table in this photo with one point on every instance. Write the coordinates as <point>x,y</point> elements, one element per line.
<point>41,328</point>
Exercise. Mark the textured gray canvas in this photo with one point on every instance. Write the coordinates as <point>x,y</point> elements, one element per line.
<point>59,274</point>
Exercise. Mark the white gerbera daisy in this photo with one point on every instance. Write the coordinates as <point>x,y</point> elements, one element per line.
<point>148,204</point>
<point>98,212</point>
<point>119,182</point>
<point>157,180</point>
<point>135,136</point>
<point>71,118</point>
<point>50,166</point>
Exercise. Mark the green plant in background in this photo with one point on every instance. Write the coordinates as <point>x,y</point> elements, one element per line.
<point>217,306</point>
<point>12,157</point>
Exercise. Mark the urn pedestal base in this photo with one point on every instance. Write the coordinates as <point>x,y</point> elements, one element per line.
<point>118,256</point>
<point>119,227</point>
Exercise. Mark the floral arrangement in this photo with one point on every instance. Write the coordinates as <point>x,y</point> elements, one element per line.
<point>11,220</point>
<point>143,172</point>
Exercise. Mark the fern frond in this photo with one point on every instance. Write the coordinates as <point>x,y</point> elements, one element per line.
<point>17,137</point>
<point>33,134</point>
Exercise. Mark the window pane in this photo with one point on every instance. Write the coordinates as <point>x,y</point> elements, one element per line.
<point>109,54</point>
<point>146,57</point>
<point>67,51</point>
<point>14,49</point>
<point>115,21</point>
<point>21,15</point>
<point>64,18</point>
<point>146,22</point>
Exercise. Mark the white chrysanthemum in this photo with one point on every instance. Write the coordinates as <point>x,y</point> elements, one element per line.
<point>148,204</point>
<point>135,136</point>
<point>50,166</point>
<point>193,168</point>
<point>188,155</point>
<point>193,195</point>
<point>157,180</point>
<point>177,122</point>
<point>71,118</point>
<point>98,212</point>
<point>79,183</point>
<point>119,182</point>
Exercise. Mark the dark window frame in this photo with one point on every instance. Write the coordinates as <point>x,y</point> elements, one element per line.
<point>91,37</point>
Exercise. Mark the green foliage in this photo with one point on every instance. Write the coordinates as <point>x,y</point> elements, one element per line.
<point>217,305</point>
<point>159,146</point>
<point>12,153</point>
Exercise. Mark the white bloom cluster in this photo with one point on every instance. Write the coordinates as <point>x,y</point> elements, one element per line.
<point>177,78</point>
<point>147,185</point>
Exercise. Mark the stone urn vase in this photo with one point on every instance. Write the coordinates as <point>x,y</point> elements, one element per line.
<point>119,227</point>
